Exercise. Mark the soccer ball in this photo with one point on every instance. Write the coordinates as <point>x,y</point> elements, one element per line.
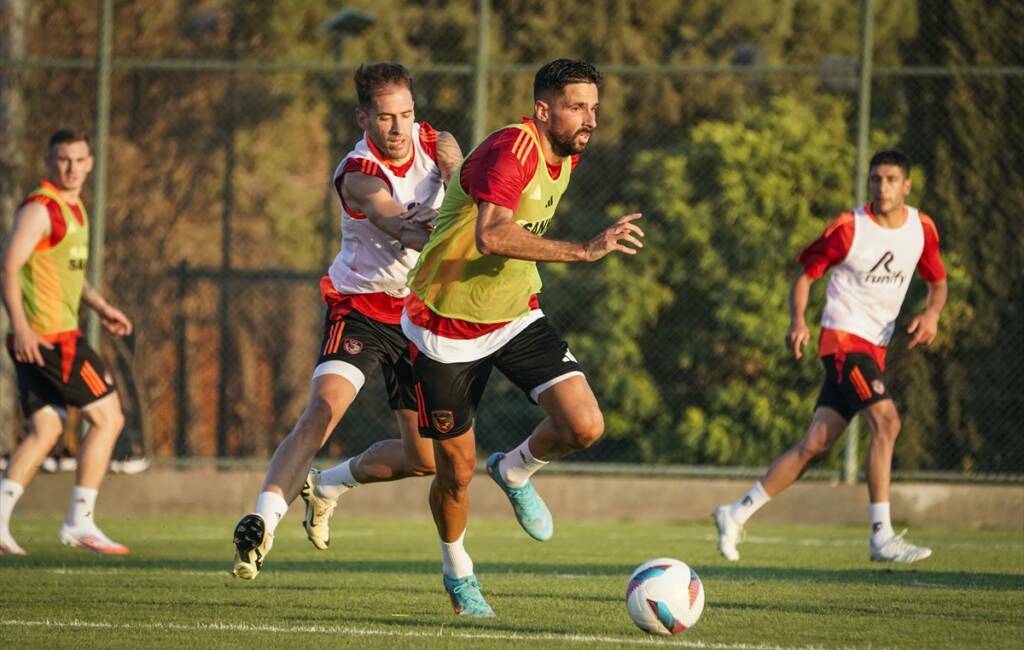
<point>664,597</point>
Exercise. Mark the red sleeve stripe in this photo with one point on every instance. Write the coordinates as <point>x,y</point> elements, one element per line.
<point>428,140</point>
<point>930,266</point>
<point>521,148</point>
<point>360,166</point>
<point>840,221</point>
<point>929,226</point>
<point>363,166</point>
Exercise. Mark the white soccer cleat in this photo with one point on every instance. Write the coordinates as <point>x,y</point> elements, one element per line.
<point>729,533</point>
<point>90,538</point>
<point>129,465</point>
<point>899,550</point>
<point>318,512</point>
<point>252,543</point>
<point>8,546</point>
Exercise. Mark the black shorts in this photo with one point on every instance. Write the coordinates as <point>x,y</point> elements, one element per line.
<point>368,344</point>
<point>853,385</point>
<point>74,375</point>
<point>449,393</point>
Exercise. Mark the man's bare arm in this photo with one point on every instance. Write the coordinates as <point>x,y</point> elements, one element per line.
<point>371,196</point>
<point>112,318</point>
<point>31,226</point>
<point>92,298</point>
<point>449,156</point>
<point>498,234</point>
<point>925,327</point>
<point>799,334</point>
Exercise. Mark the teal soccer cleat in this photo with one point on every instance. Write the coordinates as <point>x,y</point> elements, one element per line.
<point>466,597</point>
<point>531,512</point>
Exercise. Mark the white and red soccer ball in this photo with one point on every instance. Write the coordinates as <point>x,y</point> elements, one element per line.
<point>664,597</point>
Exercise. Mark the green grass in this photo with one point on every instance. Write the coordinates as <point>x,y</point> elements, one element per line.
<point>380,586</point>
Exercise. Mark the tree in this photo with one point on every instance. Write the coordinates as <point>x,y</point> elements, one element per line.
<point>12,120</point>
<point>697,369</point>
<point>966,131</point>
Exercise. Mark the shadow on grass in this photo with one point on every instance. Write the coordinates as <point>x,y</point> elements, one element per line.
<point>918,576</point>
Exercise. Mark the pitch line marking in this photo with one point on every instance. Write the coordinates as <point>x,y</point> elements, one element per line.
<point>372,632</point>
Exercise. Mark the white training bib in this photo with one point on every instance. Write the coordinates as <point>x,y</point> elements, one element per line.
<point>866,290</point>
<point>370,261</point>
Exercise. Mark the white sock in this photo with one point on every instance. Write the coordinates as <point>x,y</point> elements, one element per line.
<point>751,502</point>
<point>83,502</point>
<point>457,563</point>
<point>10,492</point>
<point>272,507</point>
<point>337,480</point>
<point>881,524</point>
<point>519,465</point>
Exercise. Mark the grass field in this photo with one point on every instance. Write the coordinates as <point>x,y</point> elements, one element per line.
<point>379,586</point>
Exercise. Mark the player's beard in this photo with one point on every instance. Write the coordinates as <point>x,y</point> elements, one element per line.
<point>566,144</point>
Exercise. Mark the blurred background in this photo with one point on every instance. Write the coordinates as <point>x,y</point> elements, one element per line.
<point>739,129</point>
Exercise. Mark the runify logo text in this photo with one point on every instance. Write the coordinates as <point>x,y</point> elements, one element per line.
<point>882,273</point>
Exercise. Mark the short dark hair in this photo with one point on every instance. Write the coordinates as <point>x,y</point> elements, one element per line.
<point>369,78</point>
<point>560,73</point>
<point>892,157</point>
<point>66,136</point>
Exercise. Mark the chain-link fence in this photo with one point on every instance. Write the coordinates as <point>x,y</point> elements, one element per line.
<point>731,126</point>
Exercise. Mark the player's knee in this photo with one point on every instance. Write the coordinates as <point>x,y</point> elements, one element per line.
<point>108,419</point>
<point>323,411</point>
<point>315,425</point>
<point>889,428</point>
<point>813,448</point>
<point>587,428</point>
<point>456,478</point>
<point>47,435</point>
<point>117,420</point>
<point>462,470</point>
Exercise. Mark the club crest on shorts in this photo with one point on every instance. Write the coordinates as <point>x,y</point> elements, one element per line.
<point>444,421</point>
<point>352,346</point>
<point>878,386</point>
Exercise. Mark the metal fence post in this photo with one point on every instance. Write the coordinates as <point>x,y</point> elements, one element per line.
<point>13,18</point>
<point>226,286</point>
<point>181,444</point>
<point>480,72</point>
<point>97,231</point>
<point>850,464</point>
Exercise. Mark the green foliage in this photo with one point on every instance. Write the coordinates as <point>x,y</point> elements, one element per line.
<point>698,371</point>
<point>966,132</point>
<point>734,172</point>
